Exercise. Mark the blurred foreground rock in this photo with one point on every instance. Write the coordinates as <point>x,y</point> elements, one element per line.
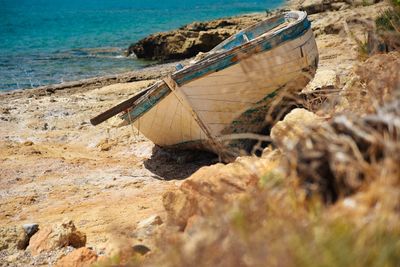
<point>291,128</point>
<point>219,183</point>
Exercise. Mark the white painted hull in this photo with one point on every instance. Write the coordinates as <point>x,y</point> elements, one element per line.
<point>219,98</point>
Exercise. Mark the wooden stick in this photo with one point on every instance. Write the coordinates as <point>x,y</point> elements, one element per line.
<point>118,108</point>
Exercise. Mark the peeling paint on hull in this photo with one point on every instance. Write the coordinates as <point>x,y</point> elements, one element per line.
<point>230,90</point>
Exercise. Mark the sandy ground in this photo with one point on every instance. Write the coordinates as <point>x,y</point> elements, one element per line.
<point>55,165</point>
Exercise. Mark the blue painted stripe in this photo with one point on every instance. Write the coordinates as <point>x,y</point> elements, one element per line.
<point>149,102</point>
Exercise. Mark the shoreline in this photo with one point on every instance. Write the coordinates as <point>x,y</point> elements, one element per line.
<point>95,81</point>
<point>148,72</point>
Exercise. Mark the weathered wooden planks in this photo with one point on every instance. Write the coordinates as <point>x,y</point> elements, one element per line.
<point>211,97</point>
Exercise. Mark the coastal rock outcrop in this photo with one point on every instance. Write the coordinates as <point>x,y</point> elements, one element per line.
<point>191,39</point>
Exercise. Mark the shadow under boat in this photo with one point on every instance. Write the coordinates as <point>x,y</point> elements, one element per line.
<point>173,164</point>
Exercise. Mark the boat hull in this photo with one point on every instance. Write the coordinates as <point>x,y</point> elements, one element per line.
<point>233,100</point>
<point>229,92</point>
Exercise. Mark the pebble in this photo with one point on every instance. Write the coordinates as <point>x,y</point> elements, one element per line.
<point>141,249</point>
<point>152,220</point>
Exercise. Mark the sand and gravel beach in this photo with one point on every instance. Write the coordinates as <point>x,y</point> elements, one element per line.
<point>56,167</point>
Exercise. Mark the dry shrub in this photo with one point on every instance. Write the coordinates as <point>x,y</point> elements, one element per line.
<point>386,34</point>
<point>376,81</point>
<point>337,158</point>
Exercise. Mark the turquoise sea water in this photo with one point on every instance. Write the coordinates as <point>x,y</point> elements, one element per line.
<point>51,41</point>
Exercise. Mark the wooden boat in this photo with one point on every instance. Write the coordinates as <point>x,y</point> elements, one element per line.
<point>229,90</point>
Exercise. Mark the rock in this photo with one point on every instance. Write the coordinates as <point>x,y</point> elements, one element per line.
<point>81,257</point>
<point>178,44</point>
<point>57,236</point>
<point>292,127</point>
<point>151,221</point>
<point>180,207</point>
<point>192,222</point>
<point>12,238</point>
<point>141,249</point>
<point>218,183</point>
<point>13,257</point>
<point>362,2</point>
<point>319,6</point>
<point>189,40</point>
<point>24,236</point>
<point>30,228</point>
<point>323,79</point>
<point>105,145</point>
<point>315,6</point>
<point>8,236</point>
<point>146,227</point>
<point>333,28</point>
<point>28,143</point>
<point>340,6</point>
<point>5,111</point>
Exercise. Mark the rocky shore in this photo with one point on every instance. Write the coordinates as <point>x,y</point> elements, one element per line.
<point>74,195</point>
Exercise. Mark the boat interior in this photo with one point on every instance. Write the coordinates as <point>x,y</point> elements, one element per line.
<point>262,29</point>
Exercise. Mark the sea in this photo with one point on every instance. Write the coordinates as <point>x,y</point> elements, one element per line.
<point>52,41</point>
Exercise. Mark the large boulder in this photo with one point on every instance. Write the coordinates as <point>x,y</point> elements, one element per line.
<point>189,40</point>
<point>178,44</point>
<point>58,236</point>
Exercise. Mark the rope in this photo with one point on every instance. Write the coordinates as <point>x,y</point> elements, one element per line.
<point>132,127</point>
<point>173,86</point>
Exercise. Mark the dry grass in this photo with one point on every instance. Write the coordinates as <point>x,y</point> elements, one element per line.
<point>385,36</point>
